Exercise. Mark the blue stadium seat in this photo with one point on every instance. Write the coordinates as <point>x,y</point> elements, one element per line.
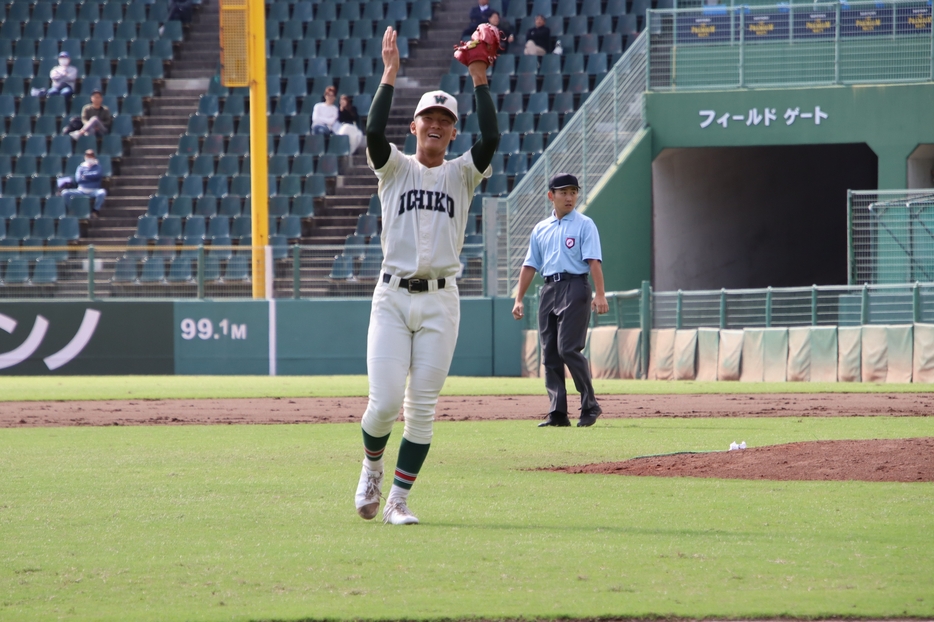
<point>153,269</point>
<point>147,228</point>
<point>182,207</point>
<point>158,206</point>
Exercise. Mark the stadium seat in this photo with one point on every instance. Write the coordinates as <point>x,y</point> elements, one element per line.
<point>230,206</point>
<point>216,186</point>
<point>182,207</point>
<point>564,103</point>
<point>126,270</point>
<point>147,228</point>
<point>238,269</point>
<point>303,206</point>
<point>192,186</point>
<point>242,227</point>
<point>579,83</point>
<point>43,228</point>
<point>68,229</point>
<point>54,207</point>
<point>153,269</point>
<point>509,143</point>
<point>341,269</point>
<point>158,206</point>
<point>519,162</point>
<point>290,227</point>
<point>195,228</point>
<point>17,271</point>
<point>315,186</point>
<point>170,227</point>
<point>79,207</point>
<point>497,185</point>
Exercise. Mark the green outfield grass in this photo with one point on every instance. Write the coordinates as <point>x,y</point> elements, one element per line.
<point>16,388</point>
<point>247,522</point>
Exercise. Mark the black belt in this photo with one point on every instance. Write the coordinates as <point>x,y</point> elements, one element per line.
<point>414,286</point>
<point>564,276</point>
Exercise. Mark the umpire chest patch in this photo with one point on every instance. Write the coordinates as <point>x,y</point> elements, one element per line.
<point>569,242</point>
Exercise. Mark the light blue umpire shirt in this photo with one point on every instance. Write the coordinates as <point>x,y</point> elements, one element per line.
<point>563,245</point>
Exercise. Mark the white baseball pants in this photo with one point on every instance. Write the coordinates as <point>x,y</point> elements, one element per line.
<point>410,335</point>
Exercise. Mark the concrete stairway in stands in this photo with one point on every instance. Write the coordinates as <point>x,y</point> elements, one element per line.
<point>148,153</point>
<point>422,72</point>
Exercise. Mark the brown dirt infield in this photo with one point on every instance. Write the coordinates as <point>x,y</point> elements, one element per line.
<point>460,408</point>
<point>904,460</point>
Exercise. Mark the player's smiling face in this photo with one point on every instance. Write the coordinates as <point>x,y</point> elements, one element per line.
<point>434,129</point>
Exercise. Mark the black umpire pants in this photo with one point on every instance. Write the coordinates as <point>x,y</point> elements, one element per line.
<point>563,318</point>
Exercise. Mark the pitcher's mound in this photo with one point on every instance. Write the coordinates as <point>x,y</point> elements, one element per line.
<point>898,460</point>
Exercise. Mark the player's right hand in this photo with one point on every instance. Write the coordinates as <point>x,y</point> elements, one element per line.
<point>518,310</point>
<point>390,50</point>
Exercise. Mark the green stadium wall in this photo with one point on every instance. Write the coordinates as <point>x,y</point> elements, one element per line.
<point>309,337</point>
<point>892,120</point>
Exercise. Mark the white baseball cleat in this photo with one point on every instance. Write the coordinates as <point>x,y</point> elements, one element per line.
<point>397,512</point>
<point>369,491</point>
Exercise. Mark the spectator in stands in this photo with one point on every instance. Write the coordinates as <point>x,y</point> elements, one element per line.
<point>347,119</point>
<point>63,77</point>
<point>324,114</point>
<point>95,118</point>
<point>538,39</point>
<point>88,177</point>
<point>181,10</point>
<point>480,14</point>
<point>505,28</point>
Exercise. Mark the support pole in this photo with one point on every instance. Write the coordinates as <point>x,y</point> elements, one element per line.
<point>864,305</point>
<point>200,272</point>
<point>296,272</point>
<point>768,307</point>
<point>722,308</point>
<point>645,322</point>
<point>679,310</point>
<point>90,272</point>
<point>814,305</point>
<point>256,55</point>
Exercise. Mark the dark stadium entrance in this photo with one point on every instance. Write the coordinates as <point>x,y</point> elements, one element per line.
<point>742,217</point>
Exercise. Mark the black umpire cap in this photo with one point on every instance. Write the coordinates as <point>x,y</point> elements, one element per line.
<point>563,180</point>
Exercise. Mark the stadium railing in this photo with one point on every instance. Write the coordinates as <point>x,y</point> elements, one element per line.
<point>891,236</point>
<point>789,45</point>
<point>589,144</point>
<point>837,305</point>
<point>167,269</point>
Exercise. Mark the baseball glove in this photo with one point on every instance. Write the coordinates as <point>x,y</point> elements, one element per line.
<point>484,46</point>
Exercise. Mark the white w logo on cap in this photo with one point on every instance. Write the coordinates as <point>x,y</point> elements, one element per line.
<point>440,99</point>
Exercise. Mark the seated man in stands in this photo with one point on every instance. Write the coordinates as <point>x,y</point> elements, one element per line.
<point>347,120</point>
<point>95,117</point>
<point>480,14</point>
<point>88,177</point>
<point>63,77</point>
<point>538,39</point>
<point>324,114</point>
<point>505,28</point>
<point>181,10</point>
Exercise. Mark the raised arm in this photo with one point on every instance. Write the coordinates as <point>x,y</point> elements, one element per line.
<point>378,117</point>
<point>484,149</point>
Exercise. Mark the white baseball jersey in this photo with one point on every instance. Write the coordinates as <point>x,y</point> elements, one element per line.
<point>424,213</point>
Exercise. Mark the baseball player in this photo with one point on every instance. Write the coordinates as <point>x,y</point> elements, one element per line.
<point>415,313</point>
<point>565,249</point>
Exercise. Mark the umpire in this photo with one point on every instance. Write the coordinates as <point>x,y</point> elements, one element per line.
<point>564,249</point>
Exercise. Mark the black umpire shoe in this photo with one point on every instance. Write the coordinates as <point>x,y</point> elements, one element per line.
<point>557,420</point>
<point>588,419</point>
